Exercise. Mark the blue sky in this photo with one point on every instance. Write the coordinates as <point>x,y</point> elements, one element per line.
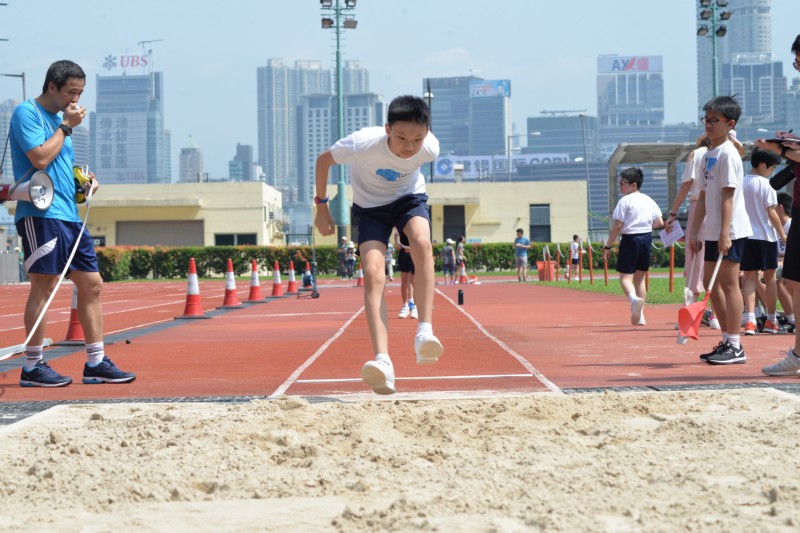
<point>211,50</point>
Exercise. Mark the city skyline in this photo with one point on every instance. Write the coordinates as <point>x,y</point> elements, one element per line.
<point>210,70</point>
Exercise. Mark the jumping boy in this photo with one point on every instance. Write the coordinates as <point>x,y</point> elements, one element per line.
<point>721,204</point>
<point>388,191</point>
<point>635,217</point>
<point>761,249</point>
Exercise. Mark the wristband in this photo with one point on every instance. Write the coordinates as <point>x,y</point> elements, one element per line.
<point>607,247</point>
<point>673,214</point>
<point>318,200</point>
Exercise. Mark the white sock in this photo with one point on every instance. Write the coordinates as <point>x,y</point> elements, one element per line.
<point>724,337</point>
<point>94,353</point>
<point>33,354</point>
<point>424,328</point>
<point>771,317</point>
<point>632,297</point>
<point>383,357</point>
<point>750,317</point>
<point>790,318</point>
<point>733,340</point>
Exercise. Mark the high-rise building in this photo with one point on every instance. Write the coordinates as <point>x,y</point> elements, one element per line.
<point>355,78</point>
<point>280,90</point>
<point>759,86</point>
<point>241,166</point>
<point>470,115</point>
<point>6,110</point>
<point>128,142</point>
<point>630,91</point>
<point>191,163</point>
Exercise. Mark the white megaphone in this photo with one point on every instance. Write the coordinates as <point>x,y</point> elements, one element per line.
<point>38,191</point>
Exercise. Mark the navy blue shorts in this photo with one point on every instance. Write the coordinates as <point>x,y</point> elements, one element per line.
<point>791,261</point>
<point>734,254</point>
<point>759,255</point>
<point>448,268</point>
<point>47,243</point>
<point>376,223</point>
<point>405,263</point>
<point>634,253</point>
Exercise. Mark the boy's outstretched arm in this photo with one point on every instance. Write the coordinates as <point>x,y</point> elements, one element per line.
<point>323,219</point>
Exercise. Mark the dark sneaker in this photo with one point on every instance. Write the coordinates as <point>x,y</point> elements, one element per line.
<point>106,372</point>
<point>41,375</point>
<point>717,349</point>
<point>728,356</point>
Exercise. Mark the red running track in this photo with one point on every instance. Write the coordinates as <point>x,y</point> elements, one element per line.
<point>507,338</point>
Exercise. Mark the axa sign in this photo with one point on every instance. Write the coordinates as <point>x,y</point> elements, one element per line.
<point>620,64</point>
<point>112,62</point>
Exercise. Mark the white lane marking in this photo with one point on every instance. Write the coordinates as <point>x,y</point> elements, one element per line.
<point>419,378</point>
<point>524,362</point>
<point>299,370</point>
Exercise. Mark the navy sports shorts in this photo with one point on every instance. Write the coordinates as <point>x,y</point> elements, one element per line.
<point>734,254</point>
<point>47,243</point>
<point>759,255</point>
<point>634,252</point>
<point>376,223</point>
<point>791,261</point>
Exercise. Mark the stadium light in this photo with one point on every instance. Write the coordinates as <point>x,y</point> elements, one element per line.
<point>708,13</point>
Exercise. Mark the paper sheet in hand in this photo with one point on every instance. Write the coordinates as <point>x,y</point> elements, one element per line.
<point>670,238</point>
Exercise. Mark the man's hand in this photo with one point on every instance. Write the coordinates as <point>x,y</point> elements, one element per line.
<point>324,221</point>
<point>73,115</point>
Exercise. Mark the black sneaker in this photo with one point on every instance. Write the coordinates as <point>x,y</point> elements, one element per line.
<point>41,375</point>
<point>717,349</point>
<point>106,372</point>
<point>728,356</point>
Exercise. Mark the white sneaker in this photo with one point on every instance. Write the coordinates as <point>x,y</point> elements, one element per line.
<point>379,375</point>
<point>637,305</point>
<point>414,312</point>
<point>404,312</point>
<point>428,349</point>
<point>713,323</point>
<point>642,321</point>
<point>787,367</point>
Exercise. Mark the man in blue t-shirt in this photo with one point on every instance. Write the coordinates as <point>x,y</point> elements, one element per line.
<point>521,245</point>
<point>40,141</point>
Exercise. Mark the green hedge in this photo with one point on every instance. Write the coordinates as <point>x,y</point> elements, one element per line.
<point>128,262</point>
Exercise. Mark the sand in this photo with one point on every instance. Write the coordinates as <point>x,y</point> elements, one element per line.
<point>665,461</point>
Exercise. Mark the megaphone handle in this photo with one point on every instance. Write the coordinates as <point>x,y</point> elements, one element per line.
<point>714,275</point>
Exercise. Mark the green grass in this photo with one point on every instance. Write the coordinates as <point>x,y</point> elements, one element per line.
<point>657,294</point>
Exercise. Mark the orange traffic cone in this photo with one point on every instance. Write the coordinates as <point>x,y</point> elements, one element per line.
<point>255,287</point>
<point>75,335</point>
<point>291,288</point>
<point>360,276</point>
<point>277,288</point>
<point>193,308</point>
<point>462,276</point>
<point>231,299</point>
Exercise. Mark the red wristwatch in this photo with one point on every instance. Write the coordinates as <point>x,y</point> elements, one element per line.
<point>318,200</point>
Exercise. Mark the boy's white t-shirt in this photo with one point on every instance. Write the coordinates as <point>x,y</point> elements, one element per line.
<point>722,167</point>
<point>379,177</point>
<point>574,248</point>
<point>693,171</point>
<point>637,212</point>
<point>758,198</point>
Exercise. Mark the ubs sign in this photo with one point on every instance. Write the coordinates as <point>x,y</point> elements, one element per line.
<point>123,62</point>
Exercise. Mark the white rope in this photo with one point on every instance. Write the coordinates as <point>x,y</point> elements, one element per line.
<point>8,352</point>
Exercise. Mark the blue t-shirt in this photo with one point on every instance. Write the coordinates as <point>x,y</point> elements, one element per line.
<point>31,126</point>
<point>521,252</point>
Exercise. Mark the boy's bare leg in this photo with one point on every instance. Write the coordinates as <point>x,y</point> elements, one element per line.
<point>372,253</point>
<point>730,297</point>
<point>418,232</point>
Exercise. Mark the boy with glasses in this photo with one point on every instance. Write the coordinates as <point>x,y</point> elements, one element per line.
<point>635,217</point>
<point>721,203</point>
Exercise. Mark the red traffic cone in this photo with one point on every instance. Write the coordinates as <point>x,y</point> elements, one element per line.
<point>360,276</point>
<point>255,286</point>
<point>277,288</point>
<point>462,276</point>
<point>193,308</point>
<point>231,299</point>
<point>291,288</point>
<point>75,334</point>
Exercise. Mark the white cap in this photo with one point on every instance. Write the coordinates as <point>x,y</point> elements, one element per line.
<point>450,241</point>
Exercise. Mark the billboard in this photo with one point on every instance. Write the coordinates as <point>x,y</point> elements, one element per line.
<point>118,64</point>
<point>626,64</point>
<point>486,88</point>
<point>487,167</point>
<point>121,140</point>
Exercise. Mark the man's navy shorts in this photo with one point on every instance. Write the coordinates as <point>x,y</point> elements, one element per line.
<point>48,242</point>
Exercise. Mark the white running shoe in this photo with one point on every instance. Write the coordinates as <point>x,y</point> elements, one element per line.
<point>404,312</point>
<point>379,375</point>
<point>414,312</point>
<point>713,323</point>
<point>428,349</point>
<point>637,305</point>
<point>787,367</point>
<point>642,321</point>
